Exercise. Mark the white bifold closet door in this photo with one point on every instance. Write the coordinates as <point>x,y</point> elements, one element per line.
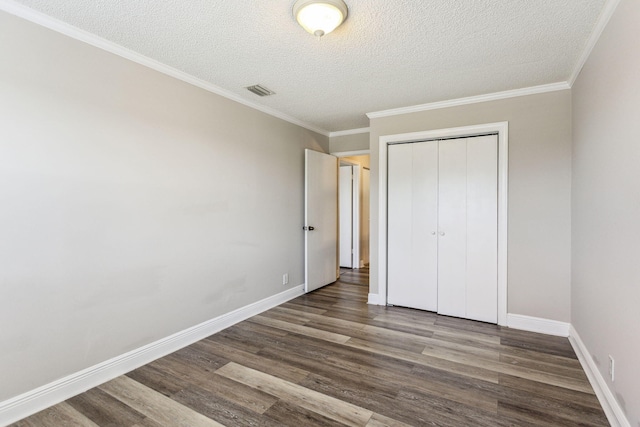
<point>412,253</point>
<point>442,226</point>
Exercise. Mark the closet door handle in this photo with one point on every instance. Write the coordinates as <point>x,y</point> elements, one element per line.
<point>442,233</point>
<point>433,233</point>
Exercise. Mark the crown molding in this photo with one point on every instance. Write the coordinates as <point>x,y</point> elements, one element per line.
<point>61,27</point>
<point>533,90</point>
<point>350,153</point>
<point>17,9</point>
<point>606,14</point>
<point>349,132</point>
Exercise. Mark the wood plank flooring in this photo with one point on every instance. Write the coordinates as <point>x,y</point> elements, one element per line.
<point>329,359</point>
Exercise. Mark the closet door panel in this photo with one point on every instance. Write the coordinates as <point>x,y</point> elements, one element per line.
<point>400,220</point>
<point>425,225</point>
<point>452,232</point>
<point>482,228</point>
<point>412,218</point>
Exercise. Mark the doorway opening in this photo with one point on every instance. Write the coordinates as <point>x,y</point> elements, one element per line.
<point>353,211</point>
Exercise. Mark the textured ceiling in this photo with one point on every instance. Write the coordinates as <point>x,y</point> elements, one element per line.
<point>387,54</point>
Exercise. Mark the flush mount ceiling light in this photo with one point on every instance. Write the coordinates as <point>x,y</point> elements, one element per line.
<point>320,17</point>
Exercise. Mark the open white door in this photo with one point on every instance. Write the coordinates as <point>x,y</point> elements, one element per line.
<point>320,220</point>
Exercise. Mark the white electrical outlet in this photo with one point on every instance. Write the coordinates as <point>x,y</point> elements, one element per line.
<point>612,367</point>
<point>285,279</point>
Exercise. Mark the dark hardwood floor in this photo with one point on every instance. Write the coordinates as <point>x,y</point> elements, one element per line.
<point>329,359</point>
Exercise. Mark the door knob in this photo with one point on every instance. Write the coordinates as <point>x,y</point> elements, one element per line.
<point>442,233</point>
<point>433,233</point>
<point>305,228</point>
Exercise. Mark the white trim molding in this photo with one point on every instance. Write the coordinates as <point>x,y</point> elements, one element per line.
<point>55,392</point>
<point>351,153</point>
<point>349,132</point>
<point>502,128</point>
<point>606,14</point>
<point>61,27</point>
<point>537,324</point>
<point>471,100</point>
<point>609,404</point>
<point>375,299</point>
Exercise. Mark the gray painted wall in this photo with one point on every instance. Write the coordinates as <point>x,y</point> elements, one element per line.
<point>132,205</point>
<point>606,205</point>
<point>346,143</point>
<point>539,235</point>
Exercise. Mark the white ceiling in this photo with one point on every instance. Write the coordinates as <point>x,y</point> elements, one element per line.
<point>387,54</point>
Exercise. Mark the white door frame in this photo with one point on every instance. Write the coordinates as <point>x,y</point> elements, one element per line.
<point>502,129</point>
<point>357,208</point>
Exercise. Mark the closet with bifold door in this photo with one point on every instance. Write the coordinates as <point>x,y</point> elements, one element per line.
<point>442,226</point>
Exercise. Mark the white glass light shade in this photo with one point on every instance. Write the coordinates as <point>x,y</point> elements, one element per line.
<point>320,17</point>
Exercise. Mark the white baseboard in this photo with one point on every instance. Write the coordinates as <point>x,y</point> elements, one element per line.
<point>610,405</point>
<point>376,299</point>
<point>55,392</point>
<point>537,324</point>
